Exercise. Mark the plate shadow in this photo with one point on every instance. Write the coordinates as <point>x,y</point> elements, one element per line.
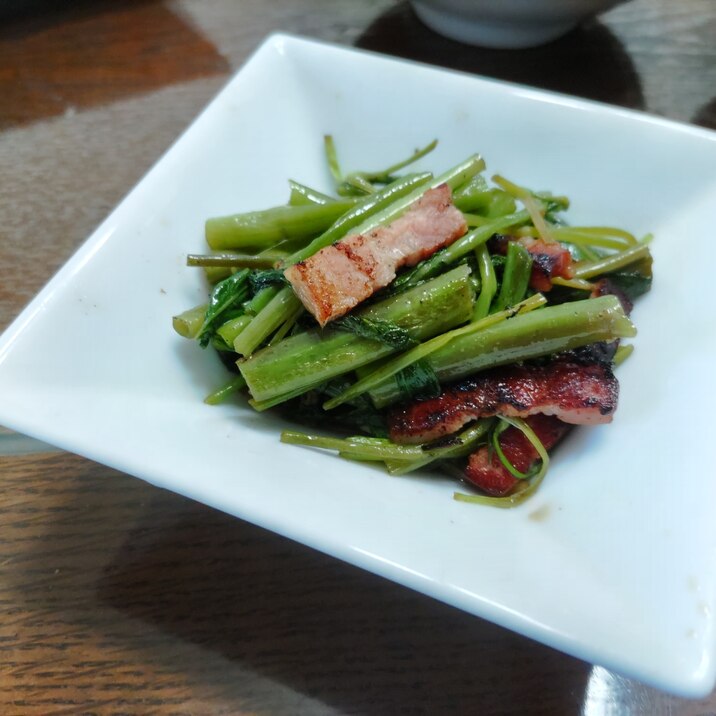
<point>588,62</point>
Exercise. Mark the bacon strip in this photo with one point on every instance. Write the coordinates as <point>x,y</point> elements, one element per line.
<point>486,471</point>
<point>574,392</point>
<point>337,278</point>
<point>548,259</point>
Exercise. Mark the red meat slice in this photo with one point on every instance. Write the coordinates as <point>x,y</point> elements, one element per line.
<point>576,393</point>
<point>486,471</point>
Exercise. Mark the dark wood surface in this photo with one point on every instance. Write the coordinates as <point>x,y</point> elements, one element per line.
<point>118,597</point>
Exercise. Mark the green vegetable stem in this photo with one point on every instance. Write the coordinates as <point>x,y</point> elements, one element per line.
<point>303,361</point>
<point>359,212</point>
<point>264,229</point>
<point>530,335</point>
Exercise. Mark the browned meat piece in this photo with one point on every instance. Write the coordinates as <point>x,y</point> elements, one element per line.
<point>548,259</point>
<point>334,280</point>
<point>576,393</point>
<point>604,287</point>
<point>484,468</point>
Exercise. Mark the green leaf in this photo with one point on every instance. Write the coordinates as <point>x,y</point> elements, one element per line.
<point>269,277</point>
<point>418,381</point>
<point>633,283</point>
<point>227,295</point>
<point>376,329</point>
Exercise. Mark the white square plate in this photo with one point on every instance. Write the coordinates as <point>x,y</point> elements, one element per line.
<point>619,569</point>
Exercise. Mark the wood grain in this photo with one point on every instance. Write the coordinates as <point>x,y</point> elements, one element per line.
<point>86,54</point>
<point>117,597</point>
<point>120,598</point>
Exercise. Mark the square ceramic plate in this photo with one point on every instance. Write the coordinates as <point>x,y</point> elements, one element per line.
<point>613,560</point>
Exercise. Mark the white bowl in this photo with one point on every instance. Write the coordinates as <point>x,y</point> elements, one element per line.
<point>506,23</point>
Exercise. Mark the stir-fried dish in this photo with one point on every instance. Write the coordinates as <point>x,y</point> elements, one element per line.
<point>422,320</point>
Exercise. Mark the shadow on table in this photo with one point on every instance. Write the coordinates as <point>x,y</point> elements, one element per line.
<point>306,633</point>
<point>20,15</point>
<point>588,62</point>
<point>706,116</point>
<point>42,13</point>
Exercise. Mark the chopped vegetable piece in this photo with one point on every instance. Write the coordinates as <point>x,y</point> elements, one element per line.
<point>308,359</point>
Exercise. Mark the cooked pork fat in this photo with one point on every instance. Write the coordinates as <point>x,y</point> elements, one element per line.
<point>577,393</point>
<point>337,278</point>
<point>548,259</point>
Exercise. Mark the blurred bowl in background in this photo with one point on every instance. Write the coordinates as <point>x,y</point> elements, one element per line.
<point>506,24</point>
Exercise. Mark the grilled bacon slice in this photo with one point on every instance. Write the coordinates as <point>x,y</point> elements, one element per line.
<point>575,392</point>
<point>486,471</point>
<point>337,278</point>
<point>548,259</point>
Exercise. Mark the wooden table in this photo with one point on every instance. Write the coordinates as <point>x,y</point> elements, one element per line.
<point>117,597</point>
